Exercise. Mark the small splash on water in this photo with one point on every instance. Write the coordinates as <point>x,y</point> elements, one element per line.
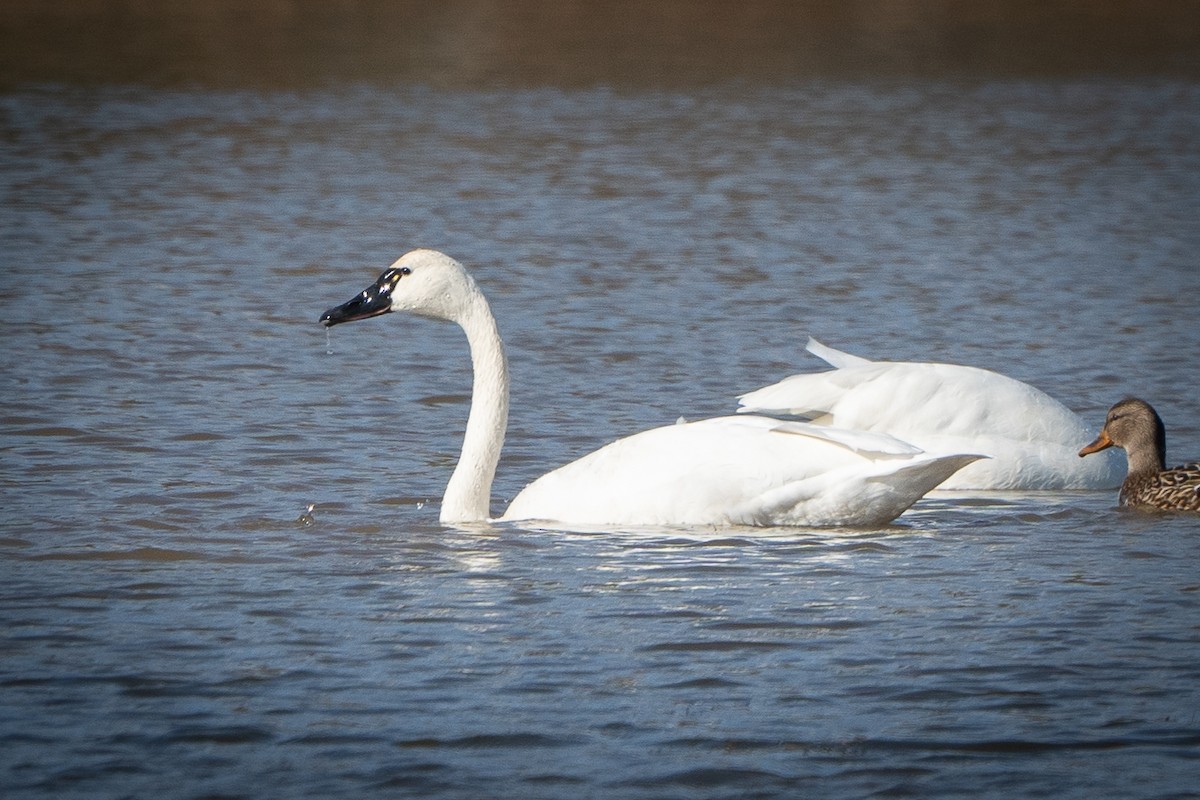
<point>307,518</point>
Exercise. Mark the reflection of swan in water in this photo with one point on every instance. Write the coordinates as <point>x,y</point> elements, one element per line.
<point>1031,438</point>
<point>743,470</point>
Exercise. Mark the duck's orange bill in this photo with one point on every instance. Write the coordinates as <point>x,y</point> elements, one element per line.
<point>1102,442</point>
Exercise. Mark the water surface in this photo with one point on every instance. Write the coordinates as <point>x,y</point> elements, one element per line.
<point>176,625</point>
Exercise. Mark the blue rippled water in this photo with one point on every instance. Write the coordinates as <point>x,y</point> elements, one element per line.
<point>176,623</point>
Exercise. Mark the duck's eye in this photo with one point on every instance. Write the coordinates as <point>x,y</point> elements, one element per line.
<point>405,271</point>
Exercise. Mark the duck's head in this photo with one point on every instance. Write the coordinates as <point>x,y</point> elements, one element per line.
<point>423,282</point>
<point>1134,426</point>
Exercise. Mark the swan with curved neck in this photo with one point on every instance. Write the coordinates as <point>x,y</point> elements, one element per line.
<point>742,470</point>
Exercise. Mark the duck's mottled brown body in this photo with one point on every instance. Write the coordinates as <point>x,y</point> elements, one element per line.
<point>1134,426</point>
<point>1174,489</point>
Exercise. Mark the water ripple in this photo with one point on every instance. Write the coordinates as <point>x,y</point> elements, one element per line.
<point>223,570</point>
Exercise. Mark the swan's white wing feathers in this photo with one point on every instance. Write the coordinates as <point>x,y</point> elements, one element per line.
<point>868,443</point>
<point>834,358</point>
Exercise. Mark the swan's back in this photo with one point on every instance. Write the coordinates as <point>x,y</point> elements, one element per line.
<point>1031,437</point>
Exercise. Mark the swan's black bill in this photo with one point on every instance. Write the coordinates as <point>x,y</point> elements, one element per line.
<point>374,300</point>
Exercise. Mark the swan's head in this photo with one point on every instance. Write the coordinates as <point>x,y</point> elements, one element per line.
<point>423,282</point>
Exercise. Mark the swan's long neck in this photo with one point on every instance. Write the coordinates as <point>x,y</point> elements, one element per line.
<point>469,492</point>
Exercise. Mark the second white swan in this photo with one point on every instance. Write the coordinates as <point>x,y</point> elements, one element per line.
<point>742,470</point>
<point>1031,438</point>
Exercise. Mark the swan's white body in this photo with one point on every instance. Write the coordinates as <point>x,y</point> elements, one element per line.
<point>726,471</point>
<point>738,471</point>
<point>1031,438</point>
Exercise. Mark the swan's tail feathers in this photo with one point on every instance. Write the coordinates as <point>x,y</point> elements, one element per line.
<point>835,358</point>
<point>925,475</point>
<point>897,490</point>
<point>810,394</point>
<point>848,498</point>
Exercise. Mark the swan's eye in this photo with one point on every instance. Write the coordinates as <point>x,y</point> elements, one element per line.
<point>393,276</point>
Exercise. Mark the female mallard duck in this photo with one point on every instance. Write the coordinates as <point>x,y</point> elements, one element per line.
<point>1135,427</point>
